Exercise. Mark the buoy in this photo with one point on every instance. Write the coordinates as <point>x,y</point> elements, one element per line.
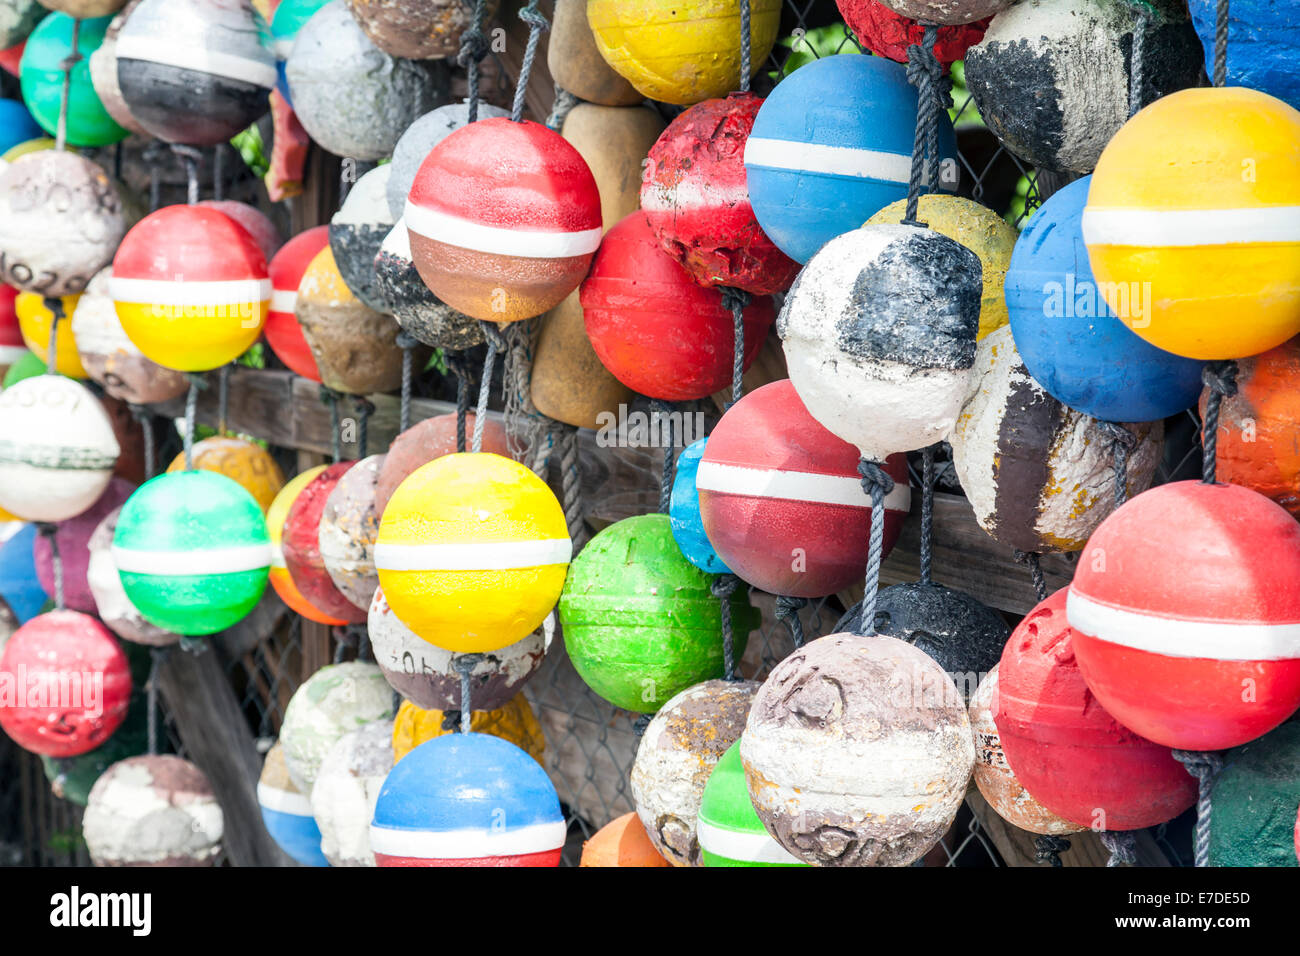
<point>286,811</point>
<point>418,140</point>
<point>409,301</point>
<point>27,146</point>
<point>467,800</point>
<point>18,18</point>
<point>351,97</point>
<point>782,501</point>
<point>504,218</point>
<point>301,545</point>
<point>88,122</point>
<point>622,841</point>
<point>1209,230</point>
<point>1040,476</point>
<point>1250,824</point>
<point>658,332</point>
<point>1184,625</point>
<point>56,255</point>
<point>949,12</point>
<point>677,752</point>
<point>111,603</point>
<point>843,769</point>
<point>35,318</point>
<point>282,331</point>
<point>29,366</point>
<point>729,830</point>
<point>1062,744</point>
<point>73,538</point>
<point>280,577</point>
<point>1070,341</point>
<point>336,699</point>
<point>16,125</point>
<point>426,675</point>
<point>246,462</point>
<point>577,66</point>
<point>429,439</point>
<point>817,167</point>
<point>257,223</point>
<point>1052,79</point>
<point>416,29</point>
<point>153,811</point>
<point>193,551</point>
<point>356,232</point>
<point>286,21</point>
<point>49,664</point>
<point>57,448</point>
<point>472,552</point>
<point>194,71</point>
<point>684,512</point>
<point>347,786</point>
<point>993,775</point>
<point>614,140</point>
<point>71,778</point>
<point>103,74</point>
<point>353,345</point>
<point>696,199</point>
<point>84,8</point>
<point>348,525</point>
<point>881,30</point>
<point>191,288</point>
<point>514,721</point>
<point>12,346</point>
<point>20,588</point>
<point>678,52</point>
<point>640,622</point>
<point>1263,38</point>
<point>884,319</point>
<point>110,357</point>
<point>569,383</point>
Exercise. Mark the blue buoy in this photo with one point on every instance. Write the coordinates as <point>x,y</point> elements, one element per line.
<point>19,585</point>
<point>684,513</point>
<point>1263,44</point>
<point>288,819</point>
<point>16,125</point>
<point>1069,339</point>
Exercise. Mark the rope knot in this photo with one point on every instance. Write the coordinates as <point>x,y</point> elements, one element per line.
<point>534,18</point>
<point>1118,434</point>
<point>925,72</point>
<point>196,380</point>
<point>1220,377</point>
<point>328,396</point>
<point>874,476</point>
<point>1048,849</point>
<point>724,585</point>
<point>492,333</point>
<point>473,45</point>
<point>1201,764</point>
<point>734,299</point>
<point>787,607</point>
<point>1122,845</point>
<point>405,340</point>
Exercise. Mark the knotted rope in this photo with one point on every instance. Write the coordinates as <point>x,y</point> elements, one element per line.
<point>877,483</point>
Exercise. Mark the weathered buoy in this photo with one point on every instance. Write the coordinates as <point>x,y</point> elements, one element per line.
<point>282,331</point>
<point>472,552</point>
<point>153,811</point>
<point>514,721</point>
<point>352,98</point>
<point>782,501</point>
<point>950,12</point>
<point>417,29</point>
<point>879,336</point>
<point>88,123</point>
<point>35,317</point>
<point>1184,627</point>
<point>1263,37</point>
<point>993,775</point>
<point>621,842</point>
<point>1070,340</point>
<point>658,332</point>
<point>418,140</point>
<point>504,218</point>
<point>257,223</point>
<point>336,699</point>
<point>69,684</point>
<point>348,526</point>
<point>103,74</point>
<point>111,603</point>
<point>640,622</point>
<point>286,21</point>
<point>301,545</point>
<point>191,288</point>
<point>569,383</point>
<point>1065,748</point>
<point>577,66</point>
<point>677,752</point>
<point>614,140</point>
<point>881,30</point>
<point>409,301</point>
<point>244,461</point>
<point>110,357</point>
<point>347,786</point>
<point>728,828</point>
<point>72,538</point>
<point>1210,230</point>
<point>18,18</point>
<point>816,170</point>
<point>356,232</point>
<point>684,512</point>
<point>353,345</point>
<point>467,800</point>
<point>1250,824</point>
<point>56,255</point>
<point>280,577</point>
<point>57,448</point>
<point>193,551</point>
<point>426,440</point>
<point>679,52</point>
<point>426,675</point>
<point>20,588</point>
<point>846,771</point>
<point>286,811</point>
<point>1040,476</point>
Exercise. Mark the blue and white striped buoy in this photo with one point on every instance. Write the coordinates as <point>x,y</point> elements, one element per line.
<point>286,811</point>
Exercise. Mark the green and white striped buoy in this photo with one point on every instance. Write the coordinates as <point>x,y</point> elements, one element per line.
<point>728,827</point>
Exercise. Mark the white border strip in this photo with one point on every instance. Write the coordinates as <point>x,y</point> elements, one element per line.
<point>185,292</point>
<point>794,486</point>
<point>206,561</point>
<point>473,555</point>
<point>828,160</point>
<point>283,801</point>
<point>1190,227</point>
<point>746,847</point>
<point>467,844</point>
<point>496,240</point>
<point>284,300</point>
<point>201,59</point>
<point>1212,640</point>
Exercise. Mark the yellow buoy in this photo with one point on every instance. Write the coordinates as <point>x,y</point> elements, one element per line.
<point>249,464</point>
<point>513,721</point>
<point>34,318</point>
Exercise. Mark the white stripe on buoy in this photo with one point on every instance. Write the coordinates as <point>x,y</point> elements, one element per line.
<point>1211,640</point>
<point>185,292</point>
<point>690,194</point>
<point>1190,227</point>
<point>11,353</point>
<point>473,555</point>
<point>466,844</point>
<point>462,233</point>
<point>828,160</point>
<point>202,59</point>
<point>248,557</point>
<point>283,801</point>
<point>746,847</point>
<point>284,300</point>
<point>794,486</point>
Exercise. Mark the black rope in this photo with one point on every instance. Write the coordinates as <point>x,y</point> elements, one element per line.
<point>927,512</point>
<point>1122,845</point>
<point>496,345</point>
<point>536,24</point>
<point>1122,443</point>
<point>925,72</point>
<point>365,408</point>
<point>1030,560</point>
<point>157,657</point>
<point>736,301</point>
<point>640,724</point>
<point>787,611</point>
<point>197,382</point>
<point>190,157</point>
<point>331,398</point>
<point>49,531</point>
<point>145,417</point>
<point>406,343</point>
<point>744,46</point>
<point>1204,765</point>
<point>1220,377</point>
<point>68,64</point>
<point>55,306</point>
<point>877,483</point>
<point>473,48</point>
<point>723,586</point>
<point>664,412</point>
<point>1048,849</point>
<point>1221,44</point>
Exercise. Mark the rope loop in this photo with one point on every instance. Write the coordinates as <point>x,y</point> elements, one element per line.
<point>1205,766</point>
<point>1048,849</point>
<point>1220,377</point>
<point>787,611</point>
<point>874,476</point>
<point>1122,845</point>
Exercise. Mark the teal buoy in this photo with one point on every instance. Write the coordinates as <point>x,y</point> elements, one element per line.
<point>1255,802</point>
<point>41,73</point>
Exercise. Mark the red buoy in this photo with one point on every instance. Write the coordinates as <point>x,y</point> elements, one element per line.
<point>781,499</point>
<point>1065,749</point>
<point>283,333</point>
<point>301,546</point>
<point>1187,615</point>
<point>654,329</point>
<point>889,34</point>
